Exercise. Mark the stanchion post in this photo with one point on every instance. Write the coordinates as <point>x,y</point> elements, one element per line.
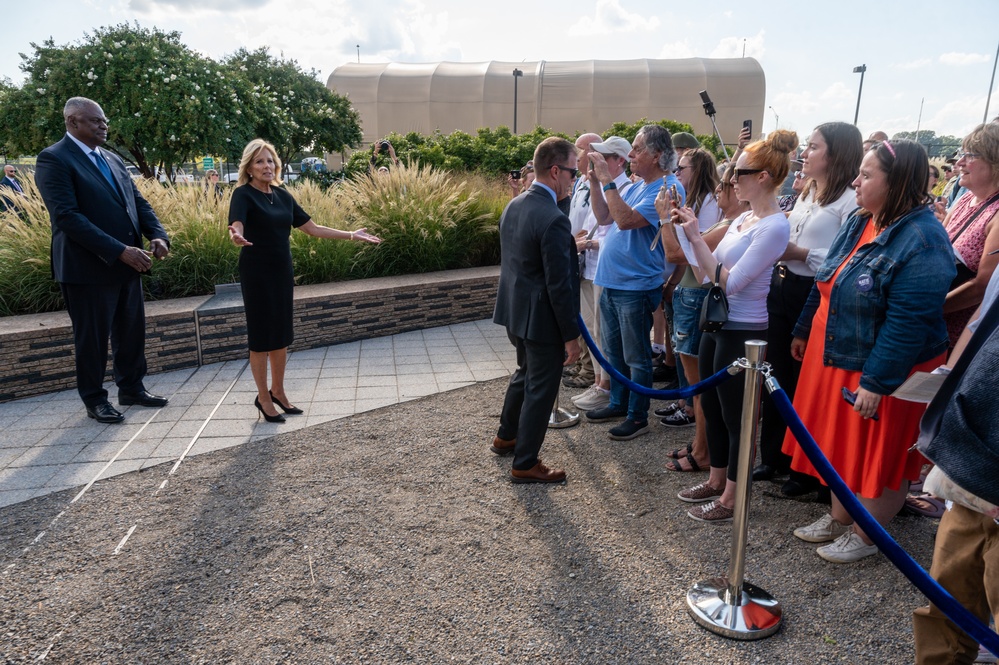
<point>560,418</point>
<point>729,606</point>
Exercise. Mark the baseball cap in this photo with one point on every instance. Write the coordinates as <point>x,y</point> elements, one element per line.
<point>685,140</point>
<point>615,145</point>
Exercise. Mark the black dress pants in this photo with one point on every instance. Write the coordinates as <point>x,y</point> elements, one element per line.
<point>785,301</point>
<point>100,312</point>
<point>530,397</point>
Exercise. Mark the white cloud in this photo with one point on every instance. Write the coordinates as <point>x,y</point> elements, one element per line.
<point>913,64</point>
<point>677,50</point>
<point>736,47</point>
<point>963,59</point>
<point>838,92</point>
<point>610,17</point>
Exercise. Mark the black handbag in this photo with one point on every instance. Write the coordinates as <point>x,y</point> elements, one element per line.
<point>714,309</point>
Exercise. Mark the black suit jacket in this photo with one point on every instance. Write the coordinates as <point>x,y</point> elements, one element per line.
<point>538,297</point>
<point>92,223</point>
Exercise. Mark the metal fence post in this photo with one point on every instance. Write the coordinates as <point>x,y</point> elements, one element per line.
<point>730,606</point>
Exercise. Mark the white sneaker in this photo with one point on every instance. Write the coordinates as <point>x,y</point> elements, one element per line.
<point>584,394</point>
<point>597,399</point>
<point>822,531</point>
<point>847,548</point>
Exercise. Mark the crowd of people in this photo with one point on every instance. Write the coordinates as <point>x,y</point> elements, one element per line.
<point>857,279</point>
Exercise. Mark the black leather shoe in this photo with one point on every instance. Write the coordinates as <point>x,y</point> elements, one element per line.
<point>142,399</point>
<point>105,413</point>
<point>795,488</point>
<point>767,472</point>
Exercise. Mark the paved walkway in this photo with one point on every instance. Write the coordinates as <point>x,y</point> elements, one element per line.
<point>47,443</point>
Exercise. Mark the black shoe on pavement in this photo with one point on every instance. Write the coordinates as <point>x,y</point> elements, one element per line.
<point>105,413</point>
<point>144,398</point>
<point>628,430</point>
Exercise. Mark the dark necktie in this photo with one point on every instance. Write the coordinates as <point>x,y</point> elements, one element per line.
<point>104,168</point>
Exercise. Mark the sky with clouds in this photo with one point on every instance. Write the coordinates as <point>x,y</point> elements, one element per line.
<point>934,55</point>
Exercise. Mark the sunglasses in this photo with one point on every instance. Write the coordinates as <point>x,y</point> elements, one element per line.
<point>572,171</point>
<point>741,172</point>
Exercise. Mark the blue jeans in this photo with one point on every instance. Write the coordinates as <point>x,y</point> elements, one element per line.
<point>625,322</point>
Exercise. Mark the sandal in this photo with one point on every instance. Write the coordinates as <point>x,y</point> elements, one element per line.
<point>924,506</point>
<point>675,464</point>
<point>680,453</point>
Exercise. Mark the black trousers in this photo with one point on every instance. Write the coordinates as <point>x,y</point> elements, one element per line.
<point>100,312</point>
<point>723,405</point>
<point>530,397</point>
<point>785,301</point>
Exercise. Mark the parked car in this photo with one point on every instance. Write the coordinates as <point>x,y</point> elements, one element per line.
<point>313,164</point>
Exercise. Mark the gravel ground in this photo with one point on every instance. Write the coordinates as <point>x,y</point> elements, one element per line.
<point>396,536</point>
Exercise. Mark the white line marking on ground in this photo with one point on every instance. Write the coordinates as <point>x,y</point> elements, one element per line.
<point>124,540</point>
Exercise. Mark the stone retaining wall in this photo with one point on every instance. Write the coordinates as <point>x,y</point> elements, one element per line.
<point>36,351</point>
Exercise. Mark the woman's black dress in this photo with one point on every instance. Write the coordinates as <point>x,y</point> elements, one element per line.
<point>265,271</point>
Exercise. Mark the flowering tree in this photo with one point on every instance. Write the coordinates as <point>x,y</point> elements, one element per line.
<point>165,102</point>
<point>308,115</point>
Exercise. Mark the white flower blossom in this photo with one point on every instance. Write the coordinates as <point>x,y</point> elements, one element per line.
<point>41,91</point>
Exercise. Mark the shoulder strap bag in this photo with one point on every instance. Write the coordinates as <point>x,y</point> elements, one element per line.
<point>714,309</point>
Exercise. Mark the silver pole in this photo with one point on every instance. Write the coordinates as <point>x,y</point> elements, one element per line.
<point>729,606</point>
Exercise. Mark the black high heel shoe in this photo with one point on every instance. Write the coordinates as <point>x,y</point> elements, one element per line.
<point>294,410</point>
<point>271,419</point>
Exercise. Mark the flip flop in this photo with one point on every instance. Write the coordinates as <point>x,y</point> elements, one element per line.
<point>674,464</point>
<point>680,453</point>
<point>924,506</point>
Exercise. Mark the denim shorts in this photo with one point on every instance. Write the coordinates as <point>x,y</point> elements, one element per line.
<point>687,319</point>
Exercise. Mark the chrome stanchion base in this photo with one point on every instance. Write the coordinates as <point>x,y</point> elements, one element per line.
<point>757,614</point>
<point>560,418</point>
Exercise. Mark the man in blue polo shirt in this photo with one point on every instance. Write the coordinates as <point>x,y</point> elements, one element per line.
<point>631,272</point>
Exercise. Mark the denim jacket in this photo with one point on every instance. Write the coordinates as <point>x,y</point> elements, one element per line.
<point>886,307</point>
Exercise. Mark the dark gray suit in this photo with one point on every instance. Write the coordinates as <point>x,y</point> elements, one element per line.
<point>92,224</point>
<point>538,303</point>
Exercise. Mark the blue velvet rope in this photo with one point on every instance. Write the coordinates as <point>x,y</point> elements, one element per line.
<point>680,393</point>
<point>939,596</point>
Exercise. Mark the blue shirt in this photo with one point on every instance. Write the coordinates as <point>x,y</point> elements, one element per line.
<point>626,262</point>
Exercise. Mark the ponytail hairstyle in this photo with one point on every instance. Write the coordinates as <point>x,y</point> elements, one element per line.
<point>703,178</point>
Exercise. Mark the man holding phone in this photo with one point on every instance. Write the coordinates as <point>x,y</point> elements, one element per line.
<point>630,272</point>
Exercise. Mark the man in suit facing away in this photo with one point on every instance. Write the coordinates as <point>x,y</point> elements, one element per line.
<point>538,303</point>
<point>98,221</point>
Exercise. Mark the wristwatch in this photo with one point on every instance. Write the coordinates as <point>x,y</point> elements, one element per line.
<point>609,186</point>
<point>589,244</point>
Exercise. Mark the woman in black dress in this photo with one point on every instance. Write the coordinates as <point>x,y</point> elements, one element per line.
<point>261,215</point>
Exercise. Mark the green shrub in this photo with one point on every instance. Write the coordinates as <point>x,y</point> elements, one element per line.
<point>429,220</point>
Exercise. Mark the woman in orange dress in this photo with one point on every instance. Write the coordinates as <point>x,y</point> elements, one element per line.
<point>874,316</point>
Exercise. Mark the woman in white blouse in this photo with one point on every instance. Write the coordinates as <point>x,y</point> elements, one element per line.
<point>746,255</point>
<point>830,162</point>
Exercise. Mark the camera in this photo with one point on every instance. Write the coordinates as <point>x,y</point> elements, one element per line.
<point>384,147</point>
<point>515,174</point>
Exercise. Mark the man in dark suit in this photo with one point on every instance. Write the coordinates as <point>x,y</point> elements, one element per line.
<point>98,222</point>
<point>9,186</point>
<point>538,302</point>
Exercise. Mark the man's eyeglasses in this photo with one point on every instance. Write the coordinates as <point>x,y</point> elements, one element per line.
<point>967,156</point>
<point>572,171</point>
<point>741,172</point>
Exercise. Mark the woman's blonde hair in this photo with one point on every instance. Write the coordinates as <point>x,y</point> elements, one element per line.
<point>250,153</point>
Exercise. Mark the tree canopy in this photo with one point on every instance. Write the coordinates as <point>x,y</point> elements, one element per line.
<point>167,103</point>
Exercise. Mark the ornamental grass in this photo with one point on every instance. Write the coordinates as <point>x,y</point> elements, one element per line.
<point>428,219</point>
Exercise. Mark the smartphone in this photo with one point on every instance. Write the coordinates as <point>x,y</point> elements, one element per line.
<point>748,124</point>
<point>674,196</point>
<point>851,399</point>
<point>515,174</point>
<point>704,97</point>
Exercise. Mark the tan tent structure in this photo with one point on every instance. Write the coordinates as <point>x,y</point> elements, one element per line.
<point>571,97</point>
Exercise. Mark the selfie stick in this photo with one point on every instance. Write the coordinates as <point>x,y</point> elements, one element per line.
<point>709,110</point>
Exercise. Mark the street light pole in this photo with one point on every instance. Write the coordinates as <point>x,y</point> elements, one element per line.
<point>516,75</point>
<point>859,70</point>
<point>776,119</point>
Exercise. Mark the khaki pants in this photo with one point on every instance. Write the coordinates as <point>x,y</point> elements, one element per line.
<point>966,563</point>
<point>589,309</point>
